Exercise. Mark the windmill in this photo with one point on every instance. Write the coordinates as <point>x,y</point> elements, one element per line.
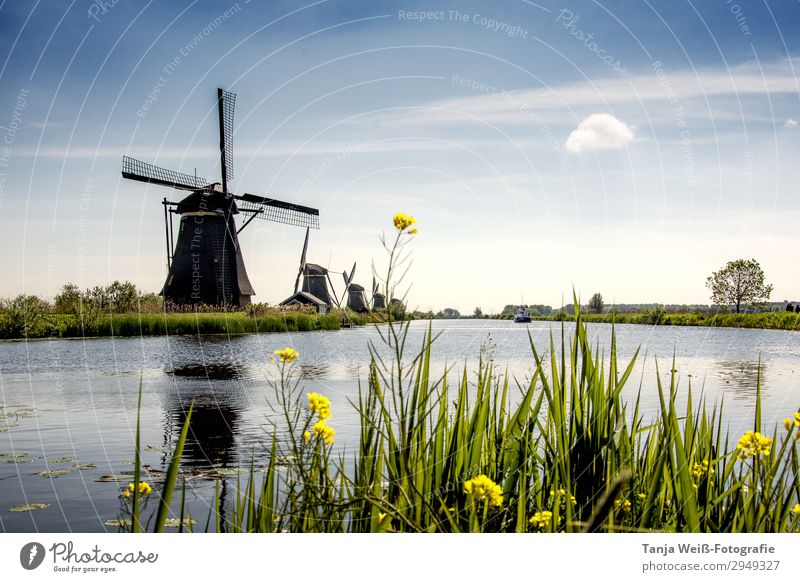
<point>316,281</point>
<point>378,298</point>
<point>205,264</point>
<point>356,300</point>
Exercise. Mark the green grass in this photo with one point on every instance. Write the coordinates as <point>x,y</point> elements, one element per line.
<point>564,449</point>
<point>154,324</point>
<point>771,320</point>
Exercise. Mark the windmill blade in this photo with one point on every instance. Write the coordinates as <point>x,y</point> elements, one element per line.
<point>352,274</point>
<point>278,211</point>
<point>302,263</point>
<point>374,286</point>
<point>226,103</point>
<point>133,169</point>
<point>333,291</point>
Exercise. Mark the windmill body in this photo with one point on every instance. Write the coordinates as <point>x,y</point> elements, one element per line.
<point>315,281</point>
<point>356,299</point>
<point>205,265</point>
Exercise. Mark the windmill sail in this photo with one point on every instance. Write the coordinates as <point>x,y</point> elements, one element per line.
<point>226,102</point>
<point>133,169</point>
<point>279,211</point>
<point>302,263</point>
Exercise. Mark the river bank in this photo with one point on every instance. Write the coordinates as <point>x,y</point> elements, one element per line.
<point>771,320</point>
<point>157,324</point>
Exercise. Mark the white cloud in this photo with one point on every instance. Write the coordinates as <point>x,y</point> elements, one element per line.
<point>790,123</point>
<point>599,131</point>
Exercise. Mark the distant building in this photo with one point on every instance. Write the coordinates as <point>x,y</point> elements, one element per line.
<point>306,298</point>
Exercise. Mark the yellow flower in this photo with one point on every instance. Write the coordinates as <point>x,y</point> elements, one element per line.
<point>796,509</point>
<point>481,487</point>
<point>403,221</point>
<point>541,519</point>
<point>700,470</point>
<point>412,231</point>
<point>797,419</point>
<point>753,444</point>
<point>787,423</point>
<point>319,404</point>
<point>144,489</point>
<point>625,504</point>
<point>306,436</point>
<point>563,494</point>
<point>323,431</point>
<point>287,355</point>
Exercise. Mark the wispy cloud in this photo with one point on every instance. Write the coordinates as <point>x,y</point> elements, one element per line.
<point>660,86</point>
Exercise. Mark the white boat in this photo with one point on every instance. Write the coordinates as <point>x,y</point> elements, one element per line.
<point>521,315</point>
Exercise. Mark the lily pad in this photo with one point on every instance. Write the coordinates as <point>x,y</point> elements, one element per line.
<point>64,460</point>
<point>114,478</point>
<point>18,461</point>
<point>173,522</point>
<point>85,466</point>
<point>118,522</point>
<point>54,473</point>
<point>153,449</point>
<point>8,426</point>
<point>14,455</point>
<point>29,507</point>
<point>126,462</point>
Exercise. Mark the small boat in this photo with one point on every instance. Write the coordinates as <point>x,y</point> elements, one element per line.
<point>521,315</point>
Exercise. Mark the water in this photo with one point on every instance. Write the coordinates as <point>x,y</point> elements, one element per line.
<point>76,399</point>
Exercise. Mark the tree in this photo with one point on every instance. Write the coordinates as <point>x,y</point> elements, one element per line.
<point>739,282</point>
<point>478,313</point>
<point>596,303</point>
<point>448,313</point>
<point>68,300</point>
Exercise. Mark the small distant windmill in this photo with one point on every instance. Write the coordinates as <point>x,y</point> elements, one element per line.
<point>354,293</point>
<point>378,298</point>
<point>316,281</point>
<point>206,264</point>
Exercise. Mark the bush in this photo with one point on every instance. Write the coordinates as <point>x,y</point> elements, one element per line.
<point>26,316</point>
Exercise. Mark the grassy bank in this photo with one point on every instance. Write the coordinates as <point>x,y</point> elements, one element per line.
<point>152,324</point>
<point>770,320</point>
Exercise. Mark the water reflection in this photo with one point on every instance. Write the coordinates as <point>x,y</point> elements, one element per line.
<point>218,404</point>
<point>225,371</point>
<point>740,375</point>
<point>314,371</point>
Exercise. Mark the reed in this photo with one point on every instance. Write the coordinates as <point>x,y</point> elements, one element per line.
<point>479,451</point>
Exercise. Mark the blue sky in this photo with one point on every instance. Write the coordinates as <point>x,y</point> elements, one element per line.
<point>629,148</point>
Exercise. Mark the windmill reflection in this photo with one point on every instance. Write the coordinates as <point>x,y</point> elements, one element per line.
<point>215,390</point>
<point>215,417</point>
